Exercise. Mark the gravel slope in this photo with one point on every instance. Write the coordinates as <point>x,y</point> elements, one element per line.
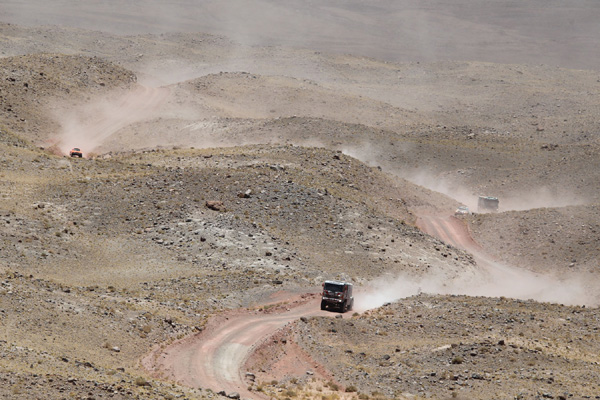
<point>105,257</point>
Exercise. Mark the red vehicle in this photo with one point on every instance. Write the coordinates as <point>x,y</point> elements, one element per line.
<point>76,152</point>
<point>337,295</point>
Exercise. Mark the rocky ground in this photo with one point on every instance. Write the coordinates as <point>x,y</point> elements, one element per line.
<point>461,347</point>
<point>319,165</point>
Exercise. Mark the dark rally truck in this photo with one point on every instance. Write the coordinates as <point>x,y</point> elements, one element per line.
<point>337,295</point>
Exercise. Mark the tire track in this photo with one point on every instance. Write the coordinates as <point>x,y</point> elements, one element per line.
<point>214,358</point>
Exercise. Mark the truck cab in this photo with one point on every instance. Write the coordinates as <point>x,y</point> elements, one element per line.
<point>337,295</point>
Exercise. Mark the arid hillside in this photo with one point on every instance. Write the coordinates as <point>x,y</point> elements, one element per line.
<point>461,347</point>
<point>221,176</point>
<point>525,134</point>
<point>104,258</point>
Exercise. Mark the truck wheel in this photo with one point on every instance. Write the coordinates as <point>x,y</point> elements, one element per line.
<point>351,306</point>
<point>344,307</point>
<point>323,305</point>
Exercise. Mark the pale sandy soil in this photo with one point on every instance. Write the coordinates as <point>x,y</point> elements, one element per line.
<point>326,162</point>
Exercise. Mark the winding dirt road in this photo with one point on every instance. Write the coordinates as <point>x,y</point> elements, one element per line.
<point>214,358</point>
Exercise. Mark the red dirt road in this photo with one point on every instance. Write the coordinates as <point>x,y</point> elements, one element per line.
<point>450,230</point>
<point>214,358</point>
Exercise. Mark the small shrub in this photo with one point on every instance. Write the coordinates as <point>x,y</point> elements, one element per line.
<point>457,360</point>
<point>351,389</point>
<point>139,381</point>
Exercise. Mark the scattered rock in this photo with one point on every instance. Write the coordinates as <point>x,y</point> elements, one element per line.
<point>245,195</point>
<point>215,205</point>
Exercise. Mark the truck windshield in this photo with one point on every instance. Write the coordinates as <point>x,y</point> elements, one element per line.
<point>333,287</point>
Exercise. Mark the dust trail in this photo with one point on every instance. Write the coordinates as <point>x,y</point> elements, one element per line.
<point>89,125</point>
<point>373,155</point>
<point>442,182</point>
<point>490,279</point>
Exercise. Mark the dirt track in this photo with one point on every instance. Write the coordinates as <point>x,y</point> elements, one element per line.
<point>214,358</point>
<point>495,279</point>
<point>450,230</point>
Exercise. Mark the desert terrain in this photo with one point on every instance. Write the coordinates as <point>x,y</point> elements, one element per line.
<point>238,154</point>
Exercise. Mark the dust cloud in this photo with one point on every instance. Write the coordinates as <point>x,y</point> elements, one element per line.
<point>89,125</point>
<point>408,30</point>
<point>494,281</point>
<point>534,197</point>
<point>542,197</point>
<point>434,182</point>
